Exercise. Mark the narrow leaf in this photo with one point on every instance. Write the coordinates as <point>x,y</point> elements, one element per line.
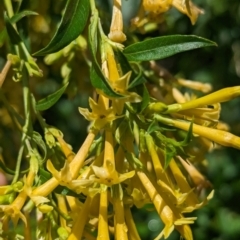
<point>21,15</point>
<point>162,47</point>
<point>153,127</point>
<point>14,19</point>
<point>12,32</point>
<point>71,26</point>
<point>100,82</point>
<point>145,98</point>
<point>51,99</point>
<point>37,138</point>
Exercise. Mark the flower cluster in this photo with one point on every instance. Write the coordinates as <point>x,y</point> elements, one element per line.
<point>143,143</point>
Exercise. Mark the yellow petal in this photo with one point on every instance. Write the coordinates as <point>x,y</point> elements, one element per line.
<point>188,8</point>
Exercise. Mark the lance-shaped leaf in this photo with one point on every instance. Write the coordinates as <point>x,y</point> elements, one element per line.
<point>14,19</point>
<point>21,15</point>
<point>71,26</point>
<point>51,99</point>
<point>37,138</point>
<point>162,47</point>
<point>12,32</point>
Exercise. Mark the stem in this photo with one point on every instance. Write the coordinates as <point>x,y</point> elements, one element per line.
<point>18,164</point>
<point>93,6</point>
<point>9,8</point>
<point>38,115</point>
<point>4,72</point>
<point>26,101</point>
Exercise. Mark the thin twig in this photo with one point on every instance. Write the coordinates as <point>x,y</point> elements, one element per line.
<point>4,72</point>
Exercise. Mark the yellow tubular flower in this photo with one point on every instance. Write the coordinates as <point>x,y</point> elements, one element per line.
<point>66,149</point>
<point>80,221</point>
<point>75,165</point>
<point>99,115</point>
<point>116,30</point>
<point>103,233</point>
<point>170,217</point>
<point>63,207</point>
<point>198,179</point>
<point>65,177</point>
<point>159,171</point>
<point>132,230</point>
<point>14,209</point>
<point>203,116</point>
<point>120,232</point>
<point>222,95</point>
<point>107,174</point>
<point>219,136</point>
<point>203,87</point>
<point>182,183</point>
<point>118,83</point>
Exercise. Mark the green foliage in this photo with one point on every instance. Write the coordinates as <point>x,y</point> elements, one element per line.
<point>72,24</point>
<point>162,47</point>
<point>51,99</point>
<point>26,127</point>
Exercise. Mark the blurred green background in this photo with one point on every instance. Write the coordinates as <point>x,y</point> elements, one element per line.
<point>220,219</point>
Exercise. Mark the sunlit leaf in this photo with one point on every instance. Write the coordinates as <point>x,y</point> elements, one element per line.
<point>51,99</point>
<point>162,47</point>
<point>73,22</point>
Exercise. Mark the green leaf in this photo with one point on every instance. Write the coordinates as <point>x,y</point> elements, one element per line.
<point>71,26</point>
<point>51,99</point>
<point>134,162</point>
<point>145,98</point>
<point>98,80</point>
<point>12,32</point>
<point>170,153</point>
<point>37,138</point>
<point>136,78</point>
<point>139,107</point>
<point>189,136</point>
<point>162,47</point>
<point>123,131</point>
<point>153,127</point>
<point>21,15</point>
<point>142,141</point>
<point>14,19</point>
